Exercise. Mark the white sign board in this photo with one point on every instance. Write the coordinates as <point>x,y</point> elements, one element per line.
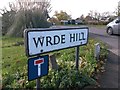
<point>39,41</point>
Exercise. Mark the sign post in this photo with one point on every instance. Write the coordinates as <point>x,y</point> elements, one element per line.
<point>38,62</point>
<point>38,84</point>
<point>77,57</point>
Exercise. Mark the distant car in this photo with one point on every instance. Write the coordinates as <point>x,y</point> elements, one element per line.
<point>113,27</point>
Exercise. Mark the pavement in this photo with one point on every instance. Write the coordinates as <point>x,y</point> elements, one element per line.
<point>109,79</point>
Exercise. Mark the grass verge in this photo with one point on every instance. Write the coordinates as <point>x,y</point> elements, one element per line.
<point>14,66</point>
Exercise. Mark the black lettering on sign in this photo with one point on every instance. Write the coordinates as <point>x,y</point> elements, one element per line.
<point>72,37</point>
<point>62,39</point>
<point>48,40</point>
<point>39,40</point>
<point>83,36</point>
<point>80,37</point>
<point>76,36</point>
<point>56,39</point>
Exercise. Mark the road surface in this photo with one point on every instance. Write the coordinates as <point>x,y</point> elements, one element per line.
<point>111,40</point>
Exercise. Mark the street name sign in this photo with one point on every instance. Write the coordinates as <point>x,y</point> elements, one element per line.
<point>43,40</point>
<point>38,67</point>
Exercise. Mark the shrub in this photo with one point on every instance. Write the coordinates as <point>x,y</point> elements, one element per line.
<point>27,19</point>
<point>8,18</point>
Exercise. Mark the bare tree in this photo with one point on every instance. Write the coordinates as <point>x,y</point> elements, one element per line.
<point>29,14</point>
<point>106,14</point>
<point>30,5</point>
<point>97,15</point>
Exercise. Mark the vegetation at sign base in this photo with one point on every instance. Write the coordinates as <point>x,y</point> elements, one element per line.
<point>14,66</point>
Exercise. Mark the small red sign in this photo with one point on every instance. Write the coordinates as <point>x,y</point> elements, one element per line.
<point>39,61</point>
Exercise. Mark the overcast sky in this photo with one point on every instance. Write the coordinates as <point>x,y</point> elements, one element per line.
<point>77,7</point>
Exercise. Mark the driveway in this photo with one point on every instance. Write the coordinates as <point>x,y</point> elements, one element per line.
<point>109,79</point>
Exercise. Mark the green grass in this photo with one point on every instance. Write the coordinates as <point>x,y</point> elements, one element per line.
<point>12,56</point>
<point>14,65</point>
<point>98,26</point>
<point>13,59</point>
<point>0,62</point>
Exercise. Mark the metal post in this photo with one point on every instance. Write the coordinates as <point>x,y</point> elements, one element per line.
<point>77,56</point>
<point>38,84</point>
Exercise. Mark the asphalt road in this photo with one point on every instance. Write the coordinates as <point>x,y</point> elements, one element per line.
<point>109,79</point>
<point>110,40</point>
